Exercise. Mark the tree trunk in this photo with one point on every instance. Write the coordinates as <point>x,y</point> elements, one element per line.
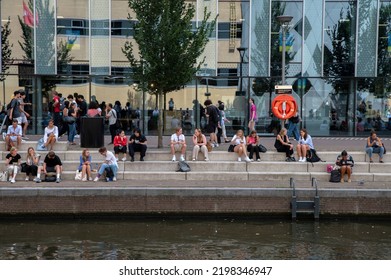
<point>159,96</point>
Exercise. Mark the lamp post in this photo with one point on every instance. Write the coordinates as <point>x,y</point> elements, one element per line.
<point>284,21</point>
<point>241,51</point>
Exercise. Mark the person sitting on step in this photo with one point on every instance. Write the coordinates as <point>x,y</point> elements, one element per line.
<point>283,145</point>
<point>51,164</point>
<point>178,144</point>
<point>137,143</point>
<point>32,162</point>
<point>199,141</point>
<point>50,135</point>
<point>374,146</point>
<point>239,142</point>
<point>12,161</point>
<point>13,137</point>
<point>252,141</point>
<point>120,144</point>
<point>85,165</point>
<point>305,144</point>
<point>110,162</point>
<point>346,163</point>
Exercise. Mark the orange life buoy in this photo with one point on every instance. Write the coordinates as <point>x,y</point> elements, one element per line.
<point>284,106</point>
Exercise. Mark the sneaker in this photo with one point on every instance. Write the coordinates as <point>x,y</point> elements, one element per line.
<point>37,180</point>
<point>114,179</point>
<point>27,178</point>
<point>132,159</point>
<point>25,138</point>
<point>23,141</point>
<point>247,159</point>
<point>124,159</point>
<point>258,159</point>
<point>304,160</point>
<point>194,159</point>
<point>239,159</point>
<point>84,179</point>
<point>58,180</point>
<point>173,158</point>
<point>107,179</point>
<point>349,180</point>
<point>90,179</point>
<point>141,158</point>
<point>342,180</point>
<point>216,145</point>
<point>288,159</point>
<point>96,179</point>
<point>206,159</point>
<point>182,158</point>
<point>251,159</point>
<point>116,158</point>
<point>300,159</point>
<point>293,159</point>
<point>77,136</point>
<point>12,181</point>
<point>4,135</point>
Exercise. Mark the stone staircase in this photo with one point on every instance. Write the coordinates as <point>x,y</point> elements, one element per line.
<point>222,166</point>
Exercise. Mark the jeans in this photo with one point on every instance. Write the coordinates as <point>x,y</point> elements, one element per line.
<point>293,129</point>
<point>113,167</point>
<point>71,132</point>
<point>376,150</point>
<point>133,147</point>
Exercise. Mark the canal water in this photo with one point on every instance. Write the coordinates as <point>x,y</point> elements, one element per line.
<point>199,239</point>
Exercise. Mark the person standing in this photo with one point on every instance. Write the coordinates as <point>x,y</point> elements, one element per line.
<point>213,115</point>
<point>137,143</point>
<point>24,115</point>
<point>111,115</point>
<point>253,115</point>
<point>171,105</point>
<point>56,109</point>
<point>293,124</point>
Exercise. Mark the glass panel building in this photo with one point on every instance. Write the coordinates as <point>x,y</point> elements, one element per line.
<point>337,61</point>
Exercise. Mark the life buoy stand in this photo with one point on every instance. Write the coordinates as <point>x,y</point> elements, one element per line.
<point>284,106</point>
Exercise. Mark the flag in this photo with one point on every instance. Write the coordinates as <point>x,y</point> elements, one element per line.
<point>28,16</point>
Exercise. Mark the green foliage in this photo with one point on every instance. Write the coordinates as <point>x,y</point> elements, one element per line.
<point>168,44</point>
<point>27,40</point>
<point>6,50</point>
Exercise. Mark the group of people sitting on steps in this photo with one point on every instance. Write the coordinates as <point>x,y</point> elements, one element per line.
<point>245,147</point>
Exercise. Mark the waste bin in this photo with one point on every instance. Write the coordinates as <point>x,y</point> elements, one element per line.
<point>92,132</point>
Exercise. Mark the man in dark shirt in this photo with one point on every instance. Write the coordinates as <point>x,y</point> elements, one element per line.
<point>52,163</point>
<point>137,143</point>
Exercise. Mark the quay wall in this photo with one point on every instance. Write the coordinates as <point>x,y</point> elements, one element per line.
<point>18,201</point>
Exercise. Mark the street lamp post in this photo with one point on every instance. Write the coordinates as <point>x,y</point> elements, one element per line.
<point>241,50</point>
<point>284,21</point>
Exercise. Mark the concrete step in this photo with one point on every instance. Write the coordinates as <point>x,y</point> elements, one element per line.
<point>356,177</point>
<point>361,167</point>
<point>154,175</point>
<point>59,146</point>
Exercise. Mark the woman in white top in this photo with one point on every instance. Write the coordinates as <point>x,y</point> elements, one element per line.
<point>32,162</point>
<point>239,142</point>
<point>50,136</point>
<point>199,141</point>
<point>305,144</point>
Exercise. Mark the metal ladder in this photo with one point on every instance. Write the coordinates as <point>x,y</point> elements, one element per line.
<point>305,206</point>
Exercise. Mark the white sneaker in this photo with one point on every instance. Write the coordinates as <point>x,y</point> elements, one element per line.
<point>304,160</point>
<point>12,181</point>
<point>194,159</point>
<point>124,159</point>
<point>206,159</point>
<point>239,159</point>
<point>84,179</point>
<point>77,136</point>
<point>114,179</point>
<point>4,135</point>
<point>259,159</point>
<point>96,179</point>
<point>173,158</point>
<point>247,159</point>
<point>216,145</point>
<point>27,178</point>
<point>182,158</point>
<point>300,159</point>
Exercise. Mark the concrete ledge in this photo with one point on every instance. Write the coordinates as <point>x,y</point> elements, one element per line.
<point>220,176</point>
<point>278,176</point>
<point>160,176</point>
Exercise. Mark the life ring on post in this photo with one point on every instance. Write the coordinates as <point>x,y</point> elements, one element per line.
<point>284,106</point>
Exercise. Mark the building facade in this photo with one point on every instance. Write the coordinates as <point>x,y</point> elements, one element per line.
<point>337,61</point>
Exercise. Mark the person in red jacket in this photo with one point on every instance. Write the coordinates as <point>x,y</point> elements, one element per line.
<point>120,144</point>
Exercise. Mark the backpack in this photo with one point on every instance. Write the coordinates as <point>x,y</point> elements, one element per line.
<point>109,173</point>
<point>311,156</point>
<point>335,176</point>
<point>183,166</point>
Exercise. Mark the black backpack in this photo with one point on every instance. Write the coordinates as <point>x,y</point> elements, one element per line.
<point>109,173</point>
<point>335,176</point>
<point>183,166</point>
<point>312,156</point>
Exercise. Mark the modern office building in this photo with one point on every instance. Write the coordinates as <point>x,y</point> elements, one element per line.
<point>337,61</point>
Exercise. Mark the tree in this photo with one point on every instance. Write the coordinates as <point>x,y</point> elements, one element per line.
<point>168,47</point>
<point>6,49</point>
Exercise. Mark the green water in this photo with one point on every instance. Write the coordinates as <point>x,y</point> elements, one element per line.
<point>194,239</point>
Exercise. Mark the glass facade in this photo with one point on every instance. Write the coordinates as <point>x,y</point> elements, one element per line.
<point>337,61</point>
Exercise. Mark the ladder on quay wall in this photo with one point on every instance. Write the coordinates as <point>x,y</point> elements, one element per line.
<point>232,27</point>
<point>305,206</point>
